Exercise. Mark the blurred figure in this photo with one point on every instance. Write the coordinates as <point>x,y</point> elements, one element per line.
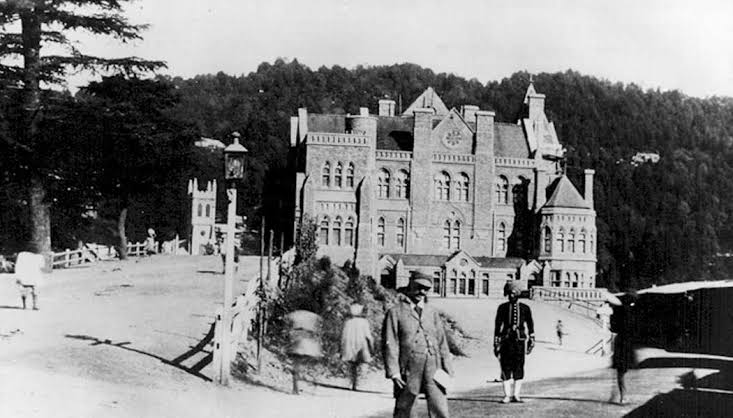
<point>223,252</point>
<point>560,330</point>
<point>622,323</point>
<point>415,349</point>
<point>150,245</point>
<point>513,326</point>
<point>356,342</point>
<point>305,328</point>
<point>29,276</point>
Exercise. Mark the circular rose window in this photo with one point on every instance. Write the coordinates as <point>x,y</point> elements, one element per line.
<point>452,138</point>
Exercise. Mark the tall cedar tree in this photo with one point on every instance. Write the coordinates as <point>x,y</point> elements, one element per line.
<point>43,23</point>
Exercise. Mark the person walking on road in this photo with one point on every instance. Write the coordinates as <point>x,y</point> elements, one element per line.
<point>356,342</point>
<point>513,328</point>
<point>415,349</point>
<point>622,323</point>
<point>560,330</point>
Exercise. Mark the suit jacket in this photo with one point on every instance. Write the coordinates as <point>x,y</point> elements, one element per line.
<point>404,335</point>
<point>502,326</point>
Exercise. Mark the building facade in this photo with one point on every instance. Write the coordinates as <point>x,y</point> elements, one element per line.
<point>467,200</point>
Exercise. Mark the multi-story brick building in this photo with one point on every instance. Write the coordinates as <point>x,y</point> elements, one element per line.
<point>454,194</point>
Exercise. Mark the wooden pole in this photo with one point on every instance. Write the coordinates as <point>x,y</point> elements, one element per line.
<point>264,289</point>
<point>259,313</point>
<point>228,288</point>
<point>280,266</point>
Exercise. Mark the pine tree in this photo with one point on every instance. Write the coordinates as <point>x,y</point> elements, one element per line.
<point>39,24</point>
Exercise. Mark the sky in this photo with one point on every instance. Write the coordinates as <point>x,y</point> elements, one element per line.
<point>670,44</point>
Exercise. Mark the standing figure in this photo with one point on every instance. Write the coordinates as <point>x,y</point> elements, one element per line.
<point>622,323</point>
<point>150,246</point>
<point>513,327</point>
<point>415,347</point>
<point>356,342</point>
<point>559,329</point>
<point>305,343</point>
<point>29,276</point>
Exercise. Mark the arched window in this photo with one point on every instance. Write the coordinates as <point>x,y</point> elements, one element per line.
<point>567,280</point>
<point>336,231</point>
<point>456,236</point>
<point>380,232</point>
<point>401,233</point>
<point>571,241</point>
<point>502,190</point>
<point>338,175</point>
<point>561,241</point>
<point>208,211</point>
<point>402,184</point>
<point>326,174</point>
<point>323,232</point>
<point>462,187</point>
<point>575,280</point>
<point>350,176</point>
<point>548,240</point>
<point>446,234</point>
<point>501,238</point>
<point>453,282</point>
<point>519,192</point>
<point>200,210</point>
<point>472,283</point>
<point>436,282</point>
<point>383,184</point>
<point>349,232</point>
<point>442,186</point>
<point>581,242</point>
<point>591,248</point>
<point>462,284</point>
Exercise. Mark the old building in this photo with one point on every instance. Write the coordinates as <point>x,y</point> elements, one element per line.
<point>455,194</point>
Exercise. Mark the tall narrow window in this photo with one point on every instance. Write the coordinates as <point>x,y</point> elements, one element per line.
<point>548,240</point>
<point>456,236</point>
<point>453,282</point>
<point>402,185</point>
<point>208,211</point>
<point>446,234</point>
<point>561,242</point>
<point>326,175</point>
<point>336,231</point>
<point>350,176</point>
<point>462,284</point>
<point>442,186</point>
<point>323,232</point>
<point>501,238</point>
<point>383,184</point>
<point>581,242</point>
<point>380,232</point>
<point>571,241</point>
<point>591,248</point>
<point>436,282</point>
<point>200,210</point>
<point>462,187</point>
<point>349,232</point>
<point>502,190</point>
<point>401,233</point>
<point>338,176</point>
<point>472,283</point>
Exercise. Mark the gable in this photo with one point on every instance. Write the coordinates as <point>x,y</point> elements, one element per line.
<point>429,99</point>
<point>565,195</point>
<point>452,134</point>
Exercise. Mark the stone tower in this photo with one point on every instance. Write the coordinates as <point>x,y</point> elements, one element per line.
<point>203,215</point>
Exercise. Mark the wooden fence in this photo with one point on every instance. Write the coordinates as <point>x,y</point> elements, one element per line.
<point>92,253</point>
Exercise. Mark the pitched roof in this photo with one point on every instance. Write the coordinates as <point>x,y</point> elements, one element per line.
<point>565,195</point>
<point>499,262</point>
<point>326,123</point>
<point>509,141</point>
<point>428,99</point>
<point>394,133</point>
<point>420,259</point>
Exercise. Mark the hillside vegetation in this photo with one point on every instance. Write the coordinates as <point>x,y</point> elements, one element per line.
<point>657,222</point>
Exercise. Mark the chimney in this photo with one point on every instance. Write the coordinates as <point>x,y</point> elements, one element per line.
<point>469,112</point>
<point>386,107</point>
<point>589,187</point>
<point>293,131</point>
<point>363,111</point>
<point>302,123</point>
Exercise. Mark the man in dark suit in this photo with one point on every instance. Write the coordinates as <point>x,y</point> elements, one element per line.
<point>513,327</point>
<point>415,348</point>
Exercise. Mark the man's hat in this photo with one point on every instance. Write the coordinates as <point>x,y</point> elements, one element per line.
<point>420,279</point>
<point>511,286</point>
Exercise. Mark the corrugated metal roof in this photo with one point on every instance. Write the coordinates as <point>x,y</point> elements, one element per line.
<point>499,262</point>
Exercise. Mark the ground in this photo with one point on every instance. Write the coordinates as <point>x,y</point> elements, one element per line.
<point>111,340</point>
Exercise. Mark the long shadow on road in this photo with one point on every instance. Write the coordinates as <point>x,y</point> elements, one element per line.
<point>176,362</point>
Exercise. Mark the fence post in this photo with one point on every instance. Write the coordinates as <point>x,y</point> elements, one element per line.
<point>67,258</point>
<point>218,345</point>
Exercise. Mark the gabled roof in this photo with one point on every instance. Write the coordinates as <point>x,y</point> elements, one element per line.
<point>394,133</point>
<point>530,92</point>
<point>509,141</point>
<point>565,195</point>
<point>428,99</point>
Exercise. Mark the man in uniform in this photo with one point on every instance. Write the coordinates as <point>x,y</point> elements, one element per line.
<point>415,348</point>
<point>513,326</point>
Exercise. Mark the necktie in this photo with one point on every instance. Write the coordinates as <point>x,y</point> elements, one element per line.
<point>419,311</point>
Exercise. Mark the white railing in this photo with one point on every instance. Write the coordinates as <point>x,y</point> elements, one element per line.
<point>337,139</point>
<point>579,300</point>
<point>92,253</point>
<point>453,158</point>
<point>393,155</point>
<point>514,162</point>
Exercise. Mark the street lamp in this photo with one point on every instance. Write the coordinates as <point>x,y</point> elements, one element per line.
<point>233,174</point>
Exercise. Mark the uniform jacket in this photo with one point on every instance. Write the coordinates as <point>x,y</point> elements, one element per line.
<point>405,335</point>
<point>502,325</point>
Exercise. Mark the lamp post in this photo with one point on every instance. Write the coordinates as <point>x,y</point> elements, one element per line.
<point>233,174</point>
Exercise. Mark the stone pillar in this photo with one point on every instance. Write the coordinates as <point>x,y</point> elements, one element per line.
<point>589,187</point>
<point>421,180</point>
<point>483,181</point>
<point>386,107</point>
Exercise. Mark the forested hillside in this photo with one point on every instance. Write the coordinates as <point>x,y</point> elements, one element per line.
<point>657,222</point>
